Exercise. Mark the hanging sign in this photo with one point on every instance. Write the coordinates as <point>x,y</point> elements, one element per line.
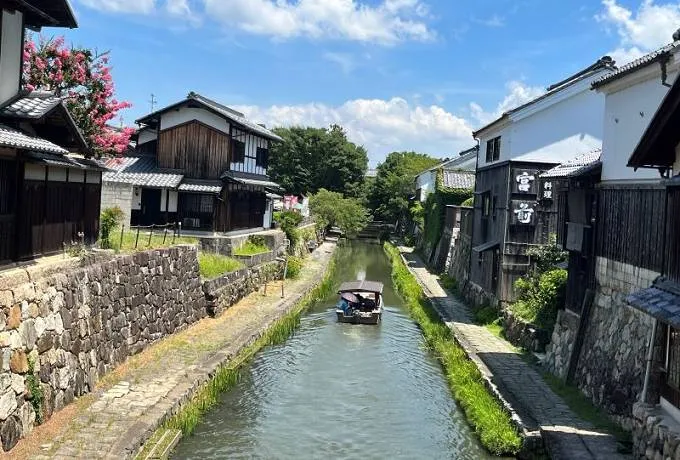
<point>523,213</point>
<point>525,181</point>
<point>547,190</point>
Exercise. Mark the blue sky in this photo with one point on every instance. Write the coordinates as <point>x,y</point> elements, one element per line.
<point>398,74</point>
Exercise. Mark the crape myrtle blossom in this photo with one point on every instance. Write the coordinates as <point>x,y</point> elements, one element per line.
<point>82,78</point>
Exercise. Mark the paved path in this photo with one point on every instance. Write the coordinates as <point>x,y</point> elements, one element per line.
<point>140,394</point>
<point>565,435</point>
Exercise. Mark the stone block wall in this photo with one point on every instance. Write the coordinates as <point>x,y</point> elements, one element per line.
<point>61,330</point>
<point>525,335</point>
<point>256,259</point>
<point>226,244</point>
<point>656,435</point>
<point>612,363</point>
<point>458,260</point>
<point>118,194</point>
<point>558,351</point>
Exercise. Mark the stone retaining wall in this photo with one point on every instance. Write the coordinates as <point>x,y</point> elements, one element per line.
<point>256,259</point>
<point>225,245</point>
<point>655,434</point>
<point>223,292</point>
<point>525,335</point>
<point>611,366</point>
<point>558,351</point>
<point>63,326</point>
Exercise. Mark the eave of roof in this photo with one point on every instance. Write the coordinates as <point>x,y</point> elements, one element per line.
<point>648,59</point>
<point>46,13</point>
<point>250,179</point>
<point>576,166</point>
<point>14,138</point>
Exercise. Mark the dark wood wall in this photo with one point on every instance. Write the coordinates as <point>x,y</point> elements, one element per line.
<point>630,225</point>
<point>196,148</point>
<point>672,261</point>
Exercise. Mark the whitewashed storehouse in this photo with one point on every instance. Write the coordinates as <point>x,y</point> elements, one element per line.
<point>426,181</point>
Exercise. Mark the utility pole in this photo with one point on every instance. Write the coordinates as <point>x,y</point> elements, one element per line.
<point>153,101</point>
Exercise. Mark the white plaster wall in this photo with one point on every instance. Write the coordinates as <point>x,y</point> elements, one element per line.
<point>10,54</point>
<point>171,200</point>
<point>425,182</point>
<point>118,194</point>
<point>136,198</point>
<point>627,115</point>
<point>252,143</point>
<point>177,117</point>
<point>506,144</point>
<point>146,135</point>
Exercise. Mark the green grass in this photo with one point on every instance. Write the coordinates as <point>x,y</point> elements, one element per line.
<point>250,249</point>
<point>213,265</point>
<point>158,240</point>
<point>228,375</point>
<point>448,282</point>
<point>490,420</point>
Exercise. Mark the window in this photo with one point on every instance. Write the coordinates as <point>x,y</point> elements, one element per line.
<point>207,203</point>
<point>262,158</point>
<point>493,207</point>
<point>486,204</point>
<point>239,151</point>
<point>493,149</point>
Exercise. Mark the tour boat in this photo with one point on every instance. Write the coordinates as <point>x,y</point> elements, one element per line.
<point>360,302</point>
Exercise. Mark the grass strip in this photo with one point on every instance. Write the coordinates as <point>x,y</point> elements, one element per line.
<point>491,422</point>
<point>250,249</point>
<point>229,374</point>
<point>131,242</point>
<point>214,265</point>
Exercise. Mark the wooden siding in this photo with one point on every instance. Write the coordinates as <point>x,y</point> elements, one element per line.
<point>197,149</point>
<point>630,225</point>
<point>673,235</point>
<point>8,174</point>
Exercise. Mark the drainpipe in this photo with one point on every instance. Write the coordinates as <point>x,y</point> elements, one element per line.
<point>650,357</point>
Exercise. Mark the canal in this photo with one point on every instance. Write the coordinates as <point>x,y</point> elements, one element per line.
<point>339,391</point>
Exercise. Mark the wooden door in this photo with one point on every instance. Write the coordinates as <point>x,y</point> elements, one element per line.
<point>8,170</point>
<point>151,206</point>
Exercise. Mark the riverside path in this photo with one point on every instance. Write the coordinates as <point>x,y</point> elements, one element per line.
<point>133,400</point>
<point>565,435</point>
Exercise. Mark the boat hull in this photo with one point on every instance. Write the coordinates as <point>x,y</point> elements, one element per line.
<point>371,318</point>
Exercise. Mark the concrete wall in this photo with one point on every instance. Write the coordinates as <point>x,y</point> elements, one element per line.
<point>628,112</point>
<point>118,194</point>
<point>612,362</point>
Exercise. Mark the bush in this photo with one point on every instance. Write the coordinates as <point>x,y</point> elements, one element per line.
<point>257,240</point>
<point>294,267</point>
<point>110,218</point>
<point>249,249</point>
<point>288,222</point>
<point>540,297</point>
<point>469,202</point>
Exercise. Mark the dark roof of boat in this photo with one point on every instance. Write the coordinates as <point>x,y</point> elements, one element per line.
<point>365,286</point>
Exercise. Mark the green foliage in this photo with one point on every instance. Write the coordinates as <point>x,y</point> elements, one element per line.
<point>469,202</point>
<point>418,215</point>
<point>310,159</point>
<point>295,265</point>
<point>448,282</point>
<point>250,249</point>
<point>214,265</point>
<point>159,239</point>
<point>257,240</point>
<point>435,209</point>
<point>539,297</point>
<point>35,391</point>
<point>109,219</point>
<point>546,256</point>
<point>486,315</point>
<point>288,222</point>
<point>395,183</point>
<point>487,416</point>
<point>331,208</point>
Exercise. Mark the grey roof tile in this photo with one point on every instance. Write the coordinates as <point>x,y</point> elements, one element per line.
<point>34,105</point>
<point>575,166</point>
<point>661,301</point>
<point>636,64</point>
<point>141,171</point>
<point>10,137</point>
<point>250,179</point>
<point>458,179</point>
<point>201,186</point>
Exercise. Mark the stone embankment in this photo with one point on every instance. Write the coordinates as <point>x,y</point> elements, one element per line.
<point>65,325</point>
<point>134,399</point>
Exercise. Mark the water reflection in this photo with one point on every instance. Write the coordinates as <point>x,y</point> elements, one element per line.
<point>340,390</point>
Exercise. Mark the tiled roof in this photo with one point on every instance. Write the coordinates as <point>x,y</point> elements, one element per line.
<point>141,171</point>
<point>201,186</point>
<point>458,179</point>
<point>636,64</point>
<point>661,301</point>
<point>34,105</point>
<point>10,137</point>
<point>575,166</point>
<point>65,161</point>
<point>250,179</point>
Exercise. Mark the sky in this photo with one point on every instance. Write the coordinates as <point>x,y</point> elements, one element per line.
<point>397,74</point>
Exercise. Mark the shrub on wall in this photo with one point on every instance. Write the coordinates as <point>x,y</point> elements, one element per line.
<point>288,222</point>
<point>110,218</point>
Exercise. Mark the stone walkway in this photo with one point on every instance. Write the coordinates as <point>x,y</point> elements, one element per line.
<point>564,434</point>
<point>138,396</point>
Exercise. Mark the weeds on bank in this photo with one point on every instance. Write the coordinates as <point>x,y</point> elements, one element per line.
<point>228,375</point>
<point>487,416</point>
<point>213,265</point>
<point>130,241</point>
<point>250,248</point>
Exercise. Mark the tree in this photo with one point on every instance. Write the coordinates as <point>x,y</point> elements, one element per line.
<point>395,183</point>
<point>331,208</point>
<point>310,159</point>
<point>81,77</point>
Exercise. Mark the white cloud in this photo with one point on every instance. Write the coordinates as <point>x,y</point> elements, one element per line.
<point>493,21</point>
<point>644,30</point>
<point>380,125</point>
<point>518,94</point>
<point>346,61</point>
<point>122,6</point>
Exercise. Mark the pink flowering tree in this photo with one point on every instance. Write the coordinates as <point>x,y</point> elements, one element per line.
<point>83,79</point>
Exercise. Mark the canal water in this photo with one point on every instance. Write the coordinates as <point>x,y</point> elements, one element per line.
<point>340,391</point>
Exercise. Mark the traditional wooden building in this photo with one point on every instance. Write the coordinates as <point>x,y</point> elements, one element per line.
<point>511,213</point>
<point>200,163</point>
<point>49,190</point>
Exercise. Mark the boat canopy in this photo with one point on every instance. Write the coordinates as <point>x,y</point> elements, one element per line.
<point>361,286</point>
